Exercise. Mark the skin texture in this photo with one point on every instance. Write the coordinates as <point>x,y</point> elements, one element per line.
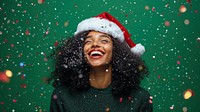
<point>98,53</point>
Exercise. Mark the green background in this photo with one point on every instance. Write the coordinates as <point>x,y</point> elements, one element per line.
<point>29,32</point>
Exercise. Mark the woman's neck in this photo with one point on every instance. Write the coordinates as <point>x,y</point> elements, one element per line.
<point>101,77</point>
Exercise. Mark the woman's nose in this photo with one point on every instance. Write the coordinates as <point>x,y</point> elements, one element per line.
<point>95,44</point>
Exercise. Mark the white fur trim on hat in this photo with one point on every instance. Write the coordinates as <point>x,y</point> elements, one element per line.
<point>138,49</point>
<point>101,25</point>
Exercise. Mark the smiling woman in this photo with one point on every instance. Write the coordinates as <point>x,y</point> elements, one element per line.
<point>99,69</point>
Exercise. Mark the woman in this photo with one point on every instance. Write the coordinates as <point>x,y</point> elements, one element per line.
<point>99,69</point>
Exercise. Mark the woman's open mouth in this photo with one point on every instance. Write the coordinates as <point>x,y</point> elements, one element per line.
<point>96,54</point>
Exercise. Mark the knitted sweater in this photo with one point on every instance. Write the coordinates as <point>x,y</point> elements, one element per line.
<point>99,100</point>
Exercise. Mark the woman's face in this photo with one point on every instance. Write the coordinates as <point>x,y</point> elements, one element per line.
<point>98,49</point>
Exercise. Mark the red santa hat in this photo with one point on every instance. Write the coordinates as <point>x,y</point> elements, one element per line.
<point>106,23</point>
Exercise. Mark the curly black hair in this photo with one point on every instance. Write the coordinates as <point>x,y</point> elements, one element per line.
<point>72,70</point>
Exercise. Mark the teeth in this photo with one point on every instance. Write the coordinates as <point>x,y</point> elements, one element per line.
<point>96,52</point>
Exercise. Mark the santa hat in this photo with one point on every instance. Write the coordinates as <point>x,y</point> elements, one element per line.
<point>106,23</point>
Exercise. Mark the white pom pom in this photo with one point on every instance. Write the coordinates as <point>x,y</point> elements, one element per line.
<point>138,49</point>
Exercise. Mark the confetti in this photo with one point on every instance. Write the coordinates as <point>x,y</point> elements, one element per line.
<point>27,32</point>
<point>146,7</point>
<point>187,22</point>
<point>120,99</point>
<point>66,23</point>
<point>188,94</point>
<point>188,1</point>
<point>185,109</point>
<point>32,29</point>
<point>8,73</point>
<point>4,77</point>
<point>40,1</point>
<point>167,23</point>
<point>182,9</point>
<point>14,100</point>
<point>107,109</point>
<point>56,43</point>
<point>178,62</point>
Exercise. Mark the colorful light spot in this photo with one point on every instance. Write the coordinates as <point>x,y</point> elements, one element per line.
<point>146,7</point>
<point>27,32</point>
<point>66,23</point>
<point>167,23</point>
<point>153,9</point>
<point>187,22</point>
<point>120,99</point>
<point>56,43</point>
<point>185,109</point>
<point>21,64</point>
<point>8,73</point>
<point>178,62</point>
<point>40,1</point>
<point>182,9</point>
<point>4,77</point>
<point>14,100</point>
<point>107,109</point>
<point>55,96</point>
<point>188,94</point>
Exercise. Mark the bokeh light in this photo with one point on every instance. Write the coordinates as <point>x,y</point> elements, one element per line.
<point>8,73</point>
<point>188,94</point>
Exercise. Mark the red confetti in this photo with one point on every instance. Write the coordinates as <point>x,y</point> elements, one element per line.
<point>40,1</point>
<point>23,86</point>
<point>129,98</point>
<point>4,77</point>
<point>153,9</point>
<point>14,100</point>
<point>56,43</point>
<point>178,62</point>
<point>12,45</point>
<point>167,23</point>
<point>47,32</point>
<point>182,9</point>
<point>188,1</point>
<point>23,76</point>
<point>19,5</point>
<point>150,99</point>
<point>27,32</point>
<point>159,76</point>
<point>120,99</point>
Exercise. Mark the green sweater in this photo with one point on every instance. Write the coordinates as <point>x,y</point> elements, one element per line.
<point>99,100</point>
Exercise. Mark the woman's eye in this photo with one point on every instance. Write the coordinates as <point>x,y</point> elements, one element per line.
<point>88,41</point>
<point>104,41</point>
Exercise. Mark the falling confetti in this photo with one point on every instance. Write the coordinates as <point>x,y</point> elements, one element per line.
<point>167,23</point>
<point>120,99</point>
<point>4,77</point>
<point>31,29</point>
<point>40,1</point>
<point>146,7</point>
<point>107,109</point>
<point>188,94</point>
<point>66,23</point>
<point>185,109</point>
<point>188,1</point>
<point>187,22</point>
<point>27,32</point>
<point>8,73</point>
<point>182,9</point>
